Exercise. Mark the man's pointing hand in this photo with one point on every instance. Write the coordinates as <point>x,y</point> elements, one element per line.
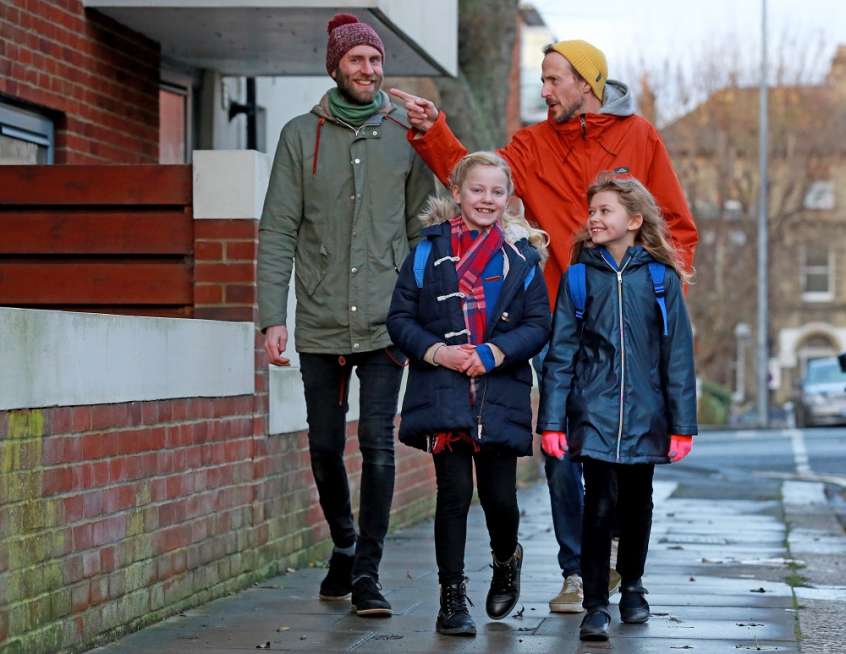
<point>421,112</point>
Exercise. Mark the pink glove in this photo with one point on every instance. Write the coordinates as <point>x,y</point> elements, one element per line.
<point>554,443</point>
<point>680,447</point>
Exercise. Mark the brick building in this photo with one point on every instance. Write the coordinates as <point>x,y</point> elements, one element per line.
<point>150,463</point>
<point>75,87</point>
<point>714,148</point>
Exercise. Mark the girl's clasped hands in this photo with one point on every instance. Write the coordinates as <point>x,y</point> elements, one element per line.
<point>461,358</point>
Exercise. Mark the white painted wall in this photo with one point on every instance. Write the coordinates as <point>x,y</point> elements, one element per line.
<point>230,183</point>
<point>286,97</point>
<point>62,358</point>
<point>432,24</point>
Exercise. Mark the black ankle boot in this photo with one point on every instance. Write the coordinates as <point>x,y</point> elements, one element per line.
<point>454,618</point>
<point>634,609</point>
<point>595,625</point>
<point>505,585</point>
<point>337,585</point>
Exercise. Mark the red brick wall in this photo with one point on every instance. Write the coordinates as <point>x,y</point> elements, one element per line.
<point>513,120</point>
<point>116,516</point>
<point>225,269</point>
<point>99,77</point>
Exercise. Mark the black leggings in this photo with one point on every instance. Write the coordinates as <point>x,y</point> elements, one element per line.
<point>496,478</point>
<point>624,491</point>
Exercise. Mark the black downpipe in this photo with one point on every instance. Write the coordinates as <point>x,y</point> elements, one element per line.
<point>248,108</point>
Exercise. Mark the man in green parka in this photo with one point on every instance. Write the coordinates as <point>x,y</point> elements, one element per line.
<point>344,194</point>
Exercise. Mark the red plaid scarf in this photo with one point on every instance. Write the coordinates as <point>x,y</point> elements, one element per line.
<point>474,254</point>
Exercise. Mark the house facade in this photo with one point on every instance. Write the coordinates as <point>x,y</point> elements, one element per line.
<point>714,148</point>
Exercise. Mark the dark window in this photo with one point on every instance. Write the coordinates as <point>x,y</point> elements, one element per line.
<point>25,137</point>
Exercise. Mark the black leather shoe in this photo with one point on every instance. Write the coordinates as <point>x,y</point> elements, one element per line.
<point>595,625</point>
<point>454,618</point>
<point>634,609</point>
<point>368,601</point>
<point>505,585</point>
<point>337,585</point>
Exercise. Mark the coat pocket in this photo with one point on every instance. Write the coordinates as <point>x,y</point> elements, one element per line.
<point>311,272</point>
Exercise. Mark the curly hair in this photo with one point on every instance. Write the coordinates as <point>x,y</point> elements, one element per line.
<point>653,234</point>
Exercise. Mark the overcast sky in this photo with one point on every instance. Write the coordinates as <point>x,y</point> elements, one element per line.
<point>656,30</point>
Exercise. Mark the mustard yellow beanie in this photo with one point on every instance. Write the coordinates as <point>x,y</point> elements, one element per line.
<point>588,61</point>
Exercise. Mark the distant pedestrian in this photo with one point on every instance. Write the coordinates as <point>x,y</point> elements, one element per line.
<point>470,309</point>
<point>619,390</point>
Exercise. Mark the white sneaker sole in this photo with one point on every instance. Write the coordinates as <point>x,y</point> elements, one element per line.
<point>560,607</point>
<point>334,598</point>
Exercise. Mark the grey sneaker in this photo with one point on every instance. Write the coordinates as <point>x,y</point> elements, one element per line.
<point>570,599</point>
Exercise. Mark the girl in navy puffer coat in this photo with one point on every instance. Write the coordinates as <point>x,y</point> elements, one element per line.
<point>619,390</point>
<point>469,318</point>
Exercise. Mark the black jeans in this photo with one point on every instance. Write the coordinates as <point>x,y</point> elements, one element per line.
<point>496,478</point>
<point>326,380</point>
<point>625,491</point>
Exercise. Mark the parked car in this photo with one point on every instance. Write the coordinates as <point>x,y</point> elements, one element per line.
<point>822,394</point>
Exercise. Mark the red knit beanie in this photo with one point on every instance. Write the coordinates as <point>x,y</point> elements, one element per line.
<point>346,32</point>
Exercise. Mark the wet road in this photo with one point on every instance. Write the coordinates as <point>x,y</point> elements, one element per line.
<point>806,453</point>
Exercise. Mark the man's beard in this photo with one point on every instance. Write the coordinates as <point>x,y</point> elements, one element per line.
<point>353,95</point>
<point>569,112</point>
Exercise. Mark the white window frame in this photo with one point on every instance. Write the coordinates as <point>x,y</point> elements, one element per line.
<point>820,196</point>
<point>28,126</point>
<point>817,296</point>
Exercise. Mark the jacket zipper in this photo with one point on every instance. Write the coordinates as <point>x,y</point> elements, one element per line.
<point>479,416</point>
<point>355,130</point>
<point>619,274</point>
<point>583,124</point>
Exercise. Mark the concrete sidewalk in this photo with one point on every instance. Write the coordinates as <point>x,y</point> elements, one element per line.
<point>715,578</point>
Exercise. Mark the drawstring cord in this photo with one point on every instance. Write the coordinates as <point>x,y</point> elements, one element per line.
<point>320,122</point>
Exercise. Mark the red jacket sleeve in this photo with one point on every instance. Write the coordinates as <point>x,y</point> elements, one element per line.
<point>441,150</point>
<point>664,184</point>
<point>438,147</point>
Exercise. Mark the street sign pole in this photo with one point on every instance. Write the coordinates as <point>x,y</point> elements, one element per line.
<point>762,344</point>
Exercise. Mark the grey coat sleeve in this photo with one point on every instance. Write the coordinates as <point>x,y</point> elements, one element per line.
<point>278,229</point>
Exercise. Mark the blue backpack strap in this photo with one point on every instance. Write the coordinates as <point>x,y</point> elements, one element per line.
<point>421,256</point>
<point>577,285</point>
<point>529,277</point>
<point>657,271</point>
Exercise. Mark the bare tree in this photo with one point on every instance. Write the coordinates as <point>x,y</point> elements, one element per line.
<point>476,100</point>
<point>709,107</point>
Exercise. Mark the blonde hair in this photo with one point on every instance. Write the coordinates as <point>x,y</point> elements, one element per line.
<point>514,222</point>
<point>653,235</point>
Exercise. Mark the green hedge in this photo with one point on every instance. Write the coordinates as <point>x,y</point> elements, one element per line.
<point>714,403</point>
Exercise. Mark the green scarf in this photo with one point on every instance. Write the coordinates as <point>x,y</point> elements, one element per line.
<point>353,114</point>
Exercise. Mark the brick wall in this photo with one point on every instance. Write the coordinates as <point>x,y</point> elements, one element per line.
<point>97,77</point>
<point>225,269</point>
<point>118,515</point>
<point>115,516</point>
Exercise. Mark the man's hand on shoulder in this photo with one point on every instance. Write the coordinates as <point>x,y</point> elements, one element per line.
<point>421,112</point>
<point>275,342</point>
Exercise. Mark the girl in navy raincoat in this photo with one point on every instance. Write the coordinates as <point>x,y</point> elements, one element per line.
<point>470,309</point>
<point>619,390</point>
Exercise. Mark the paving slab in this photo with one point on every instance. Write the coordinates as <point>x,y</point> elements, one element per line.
<point>704,575</point>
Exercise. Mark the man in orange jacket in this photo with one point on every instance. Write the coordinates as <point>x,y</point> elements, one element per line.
<point>590,127</point>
